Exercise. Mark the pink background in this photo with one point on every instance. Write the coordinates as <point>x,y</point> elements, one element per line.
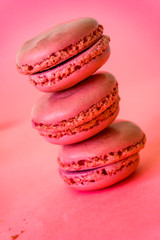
<point>34,202</point>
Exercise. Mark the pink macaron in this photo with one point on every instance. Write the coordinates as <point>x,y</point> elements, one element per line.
<point>104,159</point>
<point>64,55</point>
<point>77,113</point>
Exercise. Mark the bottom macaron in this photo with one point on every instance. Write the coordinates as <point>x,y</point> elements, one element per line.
<point>104,159</point>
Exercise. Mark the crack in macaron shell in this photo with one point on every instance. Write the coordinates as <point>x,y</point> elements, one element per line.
<point>102,176</point>
<point>61,54</point>
<point>54,75</point>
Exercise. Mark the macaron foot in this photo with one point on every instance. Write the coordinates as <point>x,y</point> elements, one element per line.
<point>102,177</point>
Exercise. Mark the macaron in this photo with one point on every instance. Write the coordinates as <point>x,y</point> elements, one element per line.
<point>64,55</point>
<point>104,159</point>
<point>77,113</point>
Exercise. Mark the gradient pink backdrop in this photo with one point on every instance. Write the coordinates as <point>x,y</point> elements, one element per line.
<point>34,202</point>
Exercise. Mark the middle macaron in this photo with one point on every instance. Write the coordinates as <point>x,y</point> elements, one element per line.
<point>77,113</point>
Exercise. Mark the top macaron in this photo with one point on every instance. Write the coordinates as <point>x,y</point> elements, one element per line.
<point>70,52</point>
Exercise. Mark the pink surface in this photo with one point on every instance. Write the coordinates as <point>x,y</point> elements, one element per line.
<point>33,198</point>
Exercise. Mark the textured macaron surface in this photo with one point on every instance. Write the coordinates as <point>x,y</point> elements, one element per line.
<point>120,140</point>
<point>57,45</point>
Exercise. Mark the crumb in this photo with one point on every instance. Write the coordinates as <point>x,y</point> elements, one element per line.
<point>15,236</point>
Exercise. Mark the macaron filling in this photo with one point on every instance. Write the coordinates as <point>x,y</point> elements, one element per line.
<point>63,54</point>
<point>96,174</point>
<point>106,159</point>
<point>75,63</point>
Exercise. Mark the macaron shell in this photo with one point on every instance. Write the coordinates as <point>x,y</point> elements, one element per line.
<point>78,75</point>
<point>56,107</point>
<point>54,39</point>
<point>118,171</point>
<point>81,136</point>
<point>118,136</point>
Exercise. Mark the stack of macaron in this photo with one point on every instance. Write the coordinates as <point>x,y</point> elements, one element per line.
<point>79,107</point>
